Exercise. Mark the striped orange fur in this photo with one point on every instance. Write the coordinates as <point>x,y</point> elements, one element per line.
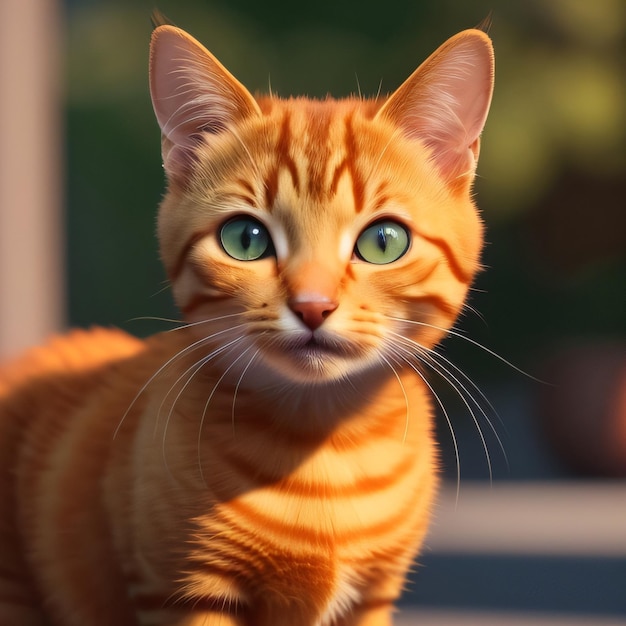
<point>271,462</point>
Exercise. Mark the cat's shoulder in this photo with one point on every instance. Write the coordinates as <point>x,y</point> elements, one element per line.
<point>76,352</point>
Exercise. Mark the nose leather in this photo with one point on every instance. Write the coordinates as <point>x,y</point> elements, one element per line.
<point>312,313</point>
<point>312,289</point>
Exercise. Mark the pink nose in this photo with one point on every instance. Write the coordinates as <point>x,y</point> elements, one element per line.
<point>312,313</point>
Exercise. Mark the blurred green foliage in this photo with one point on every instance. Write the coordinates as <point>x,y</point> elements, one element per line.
<point>553,163</point>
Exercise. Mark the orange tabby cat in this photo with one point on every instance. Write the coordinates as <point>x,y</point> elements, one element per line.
<point>270,463</point>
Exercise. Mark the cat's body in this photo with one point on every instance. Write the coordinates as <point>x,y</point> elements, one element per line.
<point>272,463</point>
<point>292,510</point>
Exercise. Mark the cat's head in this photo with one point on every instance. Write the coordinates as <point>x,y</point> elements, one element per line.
<point>320,238</point>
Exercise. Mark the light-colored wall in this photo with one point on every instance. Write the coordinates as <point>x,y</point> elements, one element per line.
<point>32,291</point>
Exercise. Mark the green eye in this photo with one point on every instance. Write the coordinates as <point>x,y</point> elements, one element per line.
<point>382,242</point>
<point>246,239</point>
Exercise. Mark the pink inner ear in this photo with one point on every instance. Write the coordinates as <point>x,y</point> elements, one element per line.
<point>445,102</point>
<point>192,95</point>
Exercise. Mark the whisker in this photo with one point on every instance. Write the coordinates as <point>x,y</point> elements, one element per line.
<point>436,355</point>
<point>245,369</point>
<point>206,407</point>
<point>209,321</point>
<point>406,399</point>
<point>190,348</point>
<point>425,357</point>
<point>195,367</point>
<point>155,318</point>
<point>455,333</point>
<point>380,88</point>
<point>455,444</point>
<point>358,86</point>
<point>165,287</point>
<point>461,392</point>
<point>474,311</point>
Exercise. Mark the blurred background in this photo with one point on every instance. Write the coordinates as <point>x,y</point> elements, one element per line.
<point>81,178</point>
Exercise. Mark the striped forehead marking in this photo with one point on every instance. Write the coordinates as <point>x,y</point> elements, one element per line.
<point>349,166</point>
<point>321,178</point>
<point>284,159</point>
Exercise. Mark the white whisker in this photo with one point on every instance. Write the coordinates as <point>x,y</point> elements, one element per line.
<point>433,359</point>
<point>243,373</point>
<point>154,318</point>
<point>379,90</point>
<point>455,444</point>
<point>206,407</point>
<point>435,355</point>
<point>190,348</point>
<point>455,333</point>
<point>195,367</point>
<point>406,399</point>
<point>207,321</point>
<point>166,287</point>
<point>459,389</point>
<point>358,86</point>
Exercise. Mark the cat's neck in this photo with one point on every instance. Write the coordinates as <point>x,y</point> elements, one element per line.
<point>214,414</point>
<point>227,383</point>
<point>247,395</point>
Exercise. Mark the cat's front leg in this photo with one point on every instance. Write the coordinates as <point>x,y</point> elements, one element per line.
<point>368,615</point>
<point>211,618</point>
<point>377,603</point>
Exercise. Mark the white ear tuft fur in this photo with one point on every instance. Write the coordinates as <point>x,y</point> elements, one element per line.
<point>445,102</point>
<point>193,96</point>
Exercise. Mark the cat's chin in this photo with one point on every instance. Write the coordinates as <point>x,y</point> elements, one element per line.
<point>316,361</point>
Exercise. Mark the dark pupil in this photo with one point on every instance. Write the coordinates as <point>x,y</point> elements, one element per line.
<point>382,239</point>
<point>246,235</point>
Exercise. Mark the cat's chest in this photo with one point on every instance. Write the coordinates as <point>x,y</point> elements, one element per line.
<point>272,513</point>
<point>330,496</point>
<point>322,527</point>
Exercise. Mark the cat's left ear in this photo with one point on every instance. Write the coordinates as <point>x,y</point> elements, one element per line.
<point>194,96</point>
<point>445,102</point>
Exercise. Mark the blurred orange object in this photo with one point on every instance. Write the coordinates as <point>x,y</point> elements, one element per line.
<point>584,414</point>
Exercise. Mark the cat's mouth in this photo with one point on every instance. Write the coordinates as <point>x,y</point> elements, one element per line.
<point>316,351</point>
<point>315,357</point>
<point>319,347</point>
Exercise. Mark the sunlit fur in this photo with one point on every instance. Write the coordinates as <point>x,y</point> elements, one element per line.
<point>248,468</point>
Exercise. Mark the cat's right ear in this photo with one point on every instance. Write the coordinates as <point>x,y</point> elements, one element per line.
<point>445,102</point>
<point>193,95</point>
